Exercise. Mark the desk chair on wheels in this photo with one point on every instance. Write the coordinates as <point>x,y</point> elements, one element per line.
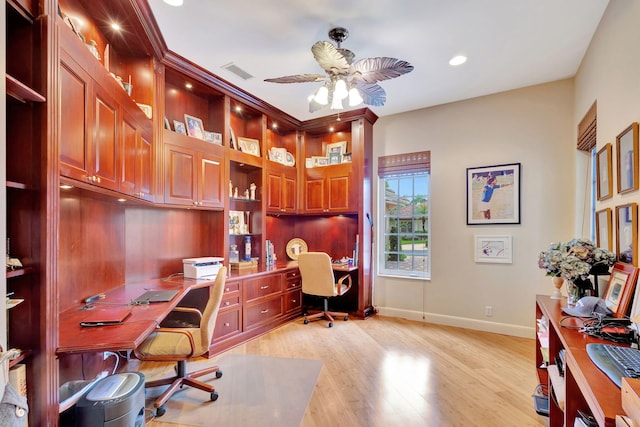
<point>182,344</point>
<point>317,279</point>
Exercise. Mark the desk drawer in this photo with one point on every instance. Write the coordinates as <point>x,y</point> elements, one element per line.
<point>262,312</point>
<point>293,280</point>
<point>227,324</point>
<point>230,287</point>
<point>262,286</point>
<point>230,301</point>
<point>293,301</point>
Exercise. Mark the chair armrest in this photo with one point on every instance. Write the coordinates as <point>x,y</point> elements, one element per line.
<point>342,288</point>
<point>191,310</point>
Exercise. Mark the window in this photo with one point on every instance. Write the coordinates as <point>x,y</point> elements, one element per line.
<point>403,206</point>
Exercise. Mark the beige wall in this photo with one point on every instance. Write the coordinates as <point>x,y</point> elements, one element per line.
<point>535,126</point>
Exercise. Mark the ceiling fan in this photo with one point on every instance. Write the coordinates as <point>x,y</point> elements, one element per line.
<point>346,81</point>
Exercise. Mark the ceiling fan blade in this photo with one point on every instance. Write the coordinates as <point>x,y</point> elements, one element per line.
<point>298,78</point>
<point>329,58</point>
<point>371,70</point>
<point>372,94</point>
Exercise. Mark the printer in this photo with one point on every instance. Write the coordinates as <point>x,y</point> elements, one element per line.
<point>202,268</point>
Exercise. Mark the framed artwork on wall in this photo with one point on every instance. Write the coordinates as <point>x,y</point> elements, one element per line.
<point>627,157</point>
<point>627,233</point>
<point>604,229</point>
<point>249,145</point>
<point>493,194</point>
<point>604,184</point>
<point>494,249</point>
<point>622,283</point>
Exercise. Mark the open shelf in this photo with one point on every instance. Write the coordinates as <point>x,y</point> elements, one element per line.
<point>22,92</point>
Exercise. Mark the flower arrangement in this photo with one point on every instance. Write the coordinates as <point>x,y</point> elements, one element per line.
<point>575,260</point>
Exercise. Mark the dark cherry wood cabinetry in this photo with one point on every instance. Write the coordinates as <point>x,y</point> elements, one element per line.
<point>327,189</point>
<point>282,189</point>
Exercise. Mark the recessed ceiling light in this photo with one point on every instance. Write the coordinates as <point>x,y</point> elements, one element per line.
<point>116,26</point>
<point>188,85</point>
<point>457,60</point>
<point>175,3</point>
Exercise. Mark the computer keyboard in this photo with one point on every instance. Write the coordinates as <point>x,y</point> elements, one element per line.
<point>615,361</point>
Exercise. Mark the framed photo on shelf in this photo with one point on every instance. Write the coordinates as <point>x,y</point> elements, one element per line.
<point>249,145</point>
<point>278,155</point>
<point>627,157</point>
<point>236,222</point>
<point>604,229</point>
<point>493,194</point>
<point>167,126</point>
<point>627,233</point>
<point>195,128</point>
<point>232,140</point>
<point>336,147</point>
<point>604,185</point>
<point>494,249</point>
<point>179,127</point>
<point>335,158</point>
<point>622,283</point>
<point>320,161</point>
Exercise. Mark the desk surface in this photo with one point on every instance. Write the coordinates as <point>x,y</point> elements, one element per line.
<point>600,393</point>
<point>74,338</point>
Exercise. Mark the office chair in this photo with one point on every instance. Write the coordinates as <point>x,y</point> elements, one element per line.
<point>182,344</point>
<point>318,279</point>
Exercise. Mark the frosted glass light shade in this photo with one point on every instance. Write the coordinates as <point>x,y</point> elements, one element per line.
<point>354,97</point>
<point>322,96</point>
<point>340,90</point>
<point>336,103</point>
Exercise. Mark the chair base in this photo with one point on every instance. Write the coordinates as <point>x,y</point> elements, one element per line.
<point>326,313</point>
<point>182,378</point>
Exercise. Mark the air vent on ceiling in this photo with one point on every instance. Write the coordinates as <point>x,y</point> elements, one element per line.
<point>237,71</point>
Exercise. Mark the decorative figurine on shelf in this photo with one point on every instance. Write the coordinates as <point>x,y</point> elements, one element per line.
<point>246,194</point>
<point>230,188</point>
<point>93,48</point>
<point>253,187</point>
<point>235,192</point>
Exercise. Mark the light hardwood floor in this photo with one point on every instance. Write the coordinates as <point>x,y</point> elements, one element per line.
<point>393,372</point>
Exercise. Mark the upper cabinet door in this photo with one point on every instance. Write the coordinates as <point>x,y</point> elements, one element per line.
<point>105,139</point>
<point>181,177</point>
<point>210,183</point>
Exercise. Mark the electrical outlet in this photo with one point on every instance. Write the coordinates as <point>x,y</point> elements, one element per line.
<point>488,311</point>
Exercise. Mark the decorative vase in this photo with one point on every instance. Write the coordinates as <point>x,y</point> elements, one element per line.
<point>557,282</point>
<point>573,293</point>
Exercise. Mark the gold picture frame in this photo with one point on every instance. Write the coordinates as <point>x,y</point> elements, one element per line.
<point>604,184</point>
<point>336,147</point>
<point>627,233</point>
<point>604,229</point>
<point>627,157</point>
<point>249,145</point>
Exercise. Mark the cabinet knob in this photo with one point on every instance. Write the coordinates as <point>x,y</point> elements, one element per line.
<point>226,303</point>
<point>264,287</point>
<point>294,301</point>
<point>265,311</point>
<point>227,324</point>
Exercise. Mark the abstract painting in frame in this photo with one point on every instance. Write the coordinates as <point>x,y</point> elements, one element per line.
<point>493,194</point>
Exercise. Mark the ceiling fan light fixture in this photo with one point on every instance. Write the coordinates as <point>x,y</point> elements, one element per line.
<point>340,90</point>
<point>336,104</point>
<point>354,97</point>
<point>322,96</point>
<point>457,60</point>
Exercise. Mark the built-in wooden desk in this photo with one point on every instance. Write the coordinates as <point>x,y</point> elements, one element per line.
<point>74,338</point>
<point>587,388</point>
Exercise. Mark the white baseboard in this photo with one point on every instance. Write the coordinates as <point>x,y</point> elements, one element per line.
<point>460,322</point>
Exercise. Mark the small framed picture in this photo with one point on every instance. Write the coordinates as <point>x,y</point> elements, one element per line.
<point>494,249</point>
<point>249,145</point>
<point>627,233</point>
<point>604,229</point>
<point>167,126</point>
<point>179,127</point>
<point>493,194</point>
<point>622,282</point>
<point>217,138</point>
<point>278,155</point>
<point>337,147</point>
<point>195,128</point>
<point>320,161</point>
<point>335,158</point>
<point>208,136</point>
<point>346,157</point>
<point>627,157</point>
<point>236,222</point>
<point>232,139</point>
<point>604,185</point>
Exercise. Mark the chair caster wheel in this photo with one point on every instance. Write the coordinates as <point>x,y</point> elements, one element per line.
<point>214,396</point>
<point>218,373</point>
<point>160,411</point>
<point>306,321</point>
<point>346,318</point>
<point>330,325</point>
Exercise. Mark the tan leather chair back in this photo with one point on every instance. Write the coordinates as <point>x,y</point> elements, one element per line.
<point>317,274</point>
<point>210,313</point>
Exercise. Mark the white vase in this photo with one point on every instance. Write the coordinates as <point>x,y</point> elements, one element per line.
<point>557,282</point>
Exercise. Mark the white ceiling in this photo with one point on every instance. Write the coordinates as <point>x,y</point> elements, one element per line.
<point>509,43</point>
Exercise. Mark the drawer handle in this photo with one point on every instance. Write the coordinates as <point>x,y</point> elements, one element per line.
<point>294,301</point>
<point>264,287</point>
<point>227,289</point>
<point>227,303</point>
<point>265,311</point>
<point>227,324</point>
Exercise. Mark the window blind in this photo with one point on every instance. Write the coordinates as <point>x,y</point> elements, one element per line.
<point>587,130</point>
<point>401,164</point>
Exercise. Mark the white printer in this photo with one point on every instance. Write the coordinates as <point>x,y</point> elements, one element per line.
<point>202,268</point>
